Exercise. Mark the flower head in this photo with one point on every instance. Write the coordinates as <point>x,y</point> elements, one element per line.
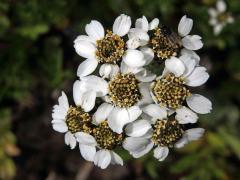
<point>219,17</point>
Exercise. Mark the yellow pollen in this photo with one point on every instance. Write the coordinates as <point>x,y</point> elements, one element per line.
<point>124,90</point>
<point>166,132</point>
<point>77,120</point>
<point>165,43</point>
<point>170,91</point>
<point>105,137</point>
<point>110,49</point>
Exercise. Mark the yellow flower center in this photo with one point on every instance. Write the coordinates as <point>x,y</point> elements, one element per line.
<point>124,90</point>
<point>77,120</point>
<point>166,132</point>
<point>170,91</point>
<point>110,49</point>
<point>105,137</point>
<point>165,43</point>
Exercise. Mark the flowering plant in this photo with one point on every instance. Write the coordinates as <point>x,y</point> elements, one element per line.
<point>135,108</point>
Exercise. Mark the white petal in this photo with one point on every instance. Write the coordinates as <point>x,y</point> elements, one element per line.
<point>189,64</point>
<point>221,6</point>
<point>230,19</point>
<point>138,128</point>
<point>153,24</point>
<point>198,77</point>
<point>142,23</point>
<point>102,113</point>
<point>185,115</point>
<point>95,30</point>
<point>175,66</point>
<point>60,127</point>
<point>146,96</point>
<point>87,152</point>
<point>191,54</point>
<point>199,104</point>
<point>88,100</point>
<point>160,153</point>
<point>108,70</point>
<point>182,142</point>
<point>148,54</point>
<point>194,133</point>
<point>145,76</point>
<point>192,42</point>
<point>189,135</point>
<point>85,49</point>
<point>116,159</point>
<point>122,25</point>
<point>86,139</point>
<point>95,83</point>
<point>185,26</point>
<point>102,158</point>
<point>217,29</point>
<point>84,38</point>
<point>155,111</point>
<point>70,140</point>
<point>78,93</point>
<point>87,67</point>
<point>139,34</point>
<point>141,152</point>
<point>133,43</point>
<point>212,12</point>
<point>213,21</point>
<point>137,146</point>
<point>124,68</point>
<point>117,119</point>
<point>63,101</point>
<point>134,112</point>
<point>134,58</point>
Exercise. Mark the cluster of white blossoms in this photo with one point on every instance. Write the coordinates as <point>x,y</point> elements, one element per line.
<point>219,17</point>
<point>119,103</point>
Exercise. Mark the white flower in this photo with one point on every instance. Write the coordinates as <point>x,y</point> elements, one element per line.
<point>138,36</point>
<point>125,93</point>
<point>191,42</point>
<point>171,89</point>
<point>64,118</point>
<point>219,18</point>
<point>103,139</point>
<point>163,42</point>
<point>159,133</point>
<point>93,45</point>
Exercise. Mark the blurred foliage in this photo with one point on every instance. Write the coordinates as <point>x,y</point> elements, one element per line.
<point>37,58</point>
<point>7,146</point>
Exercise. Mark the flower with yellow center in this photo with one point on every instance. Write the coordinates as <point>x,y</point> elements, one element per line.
<point>103,139</point>
<point>171,90</point>
<point>160,133</point>
<point>71,120</point>
<point>219,18</point>
<point>106,48</point>
<point>163,42</point>
<point>123,95</point>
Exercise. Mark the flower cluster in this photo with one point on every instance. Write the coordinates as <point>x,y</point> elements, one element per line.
<point>119,102</point>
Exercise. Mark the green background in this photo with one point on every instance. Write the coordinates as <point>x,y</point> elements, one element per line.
<point>37,61</point>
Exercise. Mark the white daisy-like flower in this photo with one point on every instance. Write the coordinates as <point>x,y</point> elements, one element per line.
<point>104,139</point>
<point>171,89</point>
<point>159,133</point>
<point>219,18</point>
<point>123,93</point>
<point>138,36</point>
<point>71,120</point>
<point>106,48</point>
<point>163,42</point>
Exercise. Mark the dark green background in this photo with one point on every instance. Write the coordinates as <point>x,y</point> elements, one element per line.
<point>37,61</point>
